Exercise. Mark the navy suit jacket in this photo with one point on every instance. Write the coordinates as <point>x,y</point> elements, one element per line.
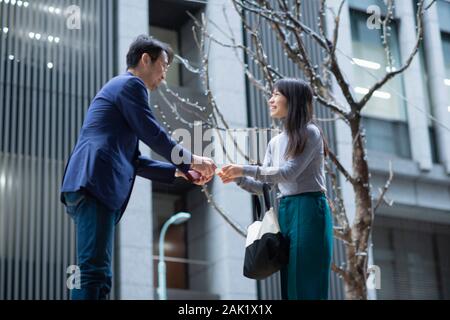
<point>106,158</point>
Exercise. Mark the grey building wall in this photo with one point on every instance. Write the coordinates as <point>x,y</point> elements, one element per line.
<point>134,249</point>
<point>42,107</point>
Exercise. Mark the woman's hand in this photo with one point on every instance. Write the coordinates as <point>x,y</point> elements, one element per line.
<point>230,172</point>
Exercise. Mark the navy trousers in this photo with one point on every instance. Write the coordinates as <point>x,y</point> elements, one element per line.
<point>95,226</point>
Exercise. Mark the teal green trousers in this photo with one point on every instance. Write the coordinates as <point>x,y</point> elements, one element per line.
<point>305,220</point>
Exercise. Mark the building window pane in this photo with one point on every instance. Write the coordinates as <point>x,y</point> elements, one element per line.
<point>385,114</point>
<point>446,47</point>
<point>413,258</point>
<point>433,143</point>
<point>443,7</point>
<point>370,64</point>
<point>389,137</point>
<point>364,4</point>
<point>170,37</point>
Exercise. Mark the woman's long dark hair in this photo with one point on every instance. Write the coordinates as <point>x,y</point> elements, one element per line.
<point>299,97</point>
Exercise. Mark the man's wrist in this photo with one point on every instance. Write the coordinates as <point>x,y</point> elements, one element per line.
<point>178,173</point>
<point>195,161</point>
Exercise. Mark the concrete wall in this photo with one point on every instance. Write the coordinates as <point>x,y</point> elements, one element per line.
<point>135,278</point>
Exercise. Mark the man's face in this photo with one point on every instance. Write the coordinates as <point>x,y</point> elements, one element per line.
<point>154,72</point>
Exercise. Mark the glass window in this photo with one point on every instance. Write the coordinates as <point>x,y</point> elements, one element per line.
<point>370,64</point>
<point>364,4</point>
<point>443,8</point>
<point>413,258</point>
<point>170,37</point>
<point>434,146</point>
<point>387,136</point>
<point>385,113</point>
<point>446,47</point>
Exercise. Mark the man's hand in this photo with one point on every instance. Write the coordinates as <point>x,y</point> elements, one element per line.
<point>203,165</point>
<point>230,172</point>
<point>198,178</point>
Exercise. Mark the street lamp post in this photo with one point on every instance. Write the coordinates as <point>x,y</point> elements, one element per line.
<point>176,219</point>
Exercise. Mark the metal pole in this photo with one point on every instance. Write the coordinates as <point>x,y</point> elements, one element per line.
<point>162,290</point>
<point>176,219</point>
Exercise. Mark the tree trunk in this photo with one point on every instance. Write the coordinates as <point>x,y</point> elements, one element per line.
<point>357,250</point>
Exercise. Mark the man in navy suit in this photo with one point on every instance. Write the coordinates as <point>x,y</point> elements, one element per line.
<point>101,171</point>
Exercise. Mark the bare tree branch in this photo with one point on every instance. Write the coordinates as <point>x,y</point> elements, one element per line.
<point>385,188</point>
<point>339,212</point>
<point>386,32</point>
<point>340,272</point>
<point>431,3</point>
<point>224,215</point>
<point>340,167</point>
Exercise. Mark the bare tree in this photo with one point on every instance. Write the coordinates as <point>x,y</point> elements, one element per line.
<point>285,20</point>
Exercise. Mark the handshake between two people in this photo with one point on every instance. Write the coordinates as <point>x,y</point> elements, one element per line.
<point>203,170</point>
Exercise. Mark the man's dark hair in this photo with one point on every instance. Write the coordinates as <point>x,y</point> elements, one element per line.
<point>151,46</point>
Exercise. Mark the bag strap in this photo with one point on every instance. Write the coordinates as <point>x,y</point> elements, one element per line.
<point>257,216</point>
<point>256,208</point>
<point>266,194</point>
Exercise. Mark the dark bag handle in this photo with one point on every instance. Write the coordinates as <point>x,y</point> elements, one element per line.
<point>257,216</point>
